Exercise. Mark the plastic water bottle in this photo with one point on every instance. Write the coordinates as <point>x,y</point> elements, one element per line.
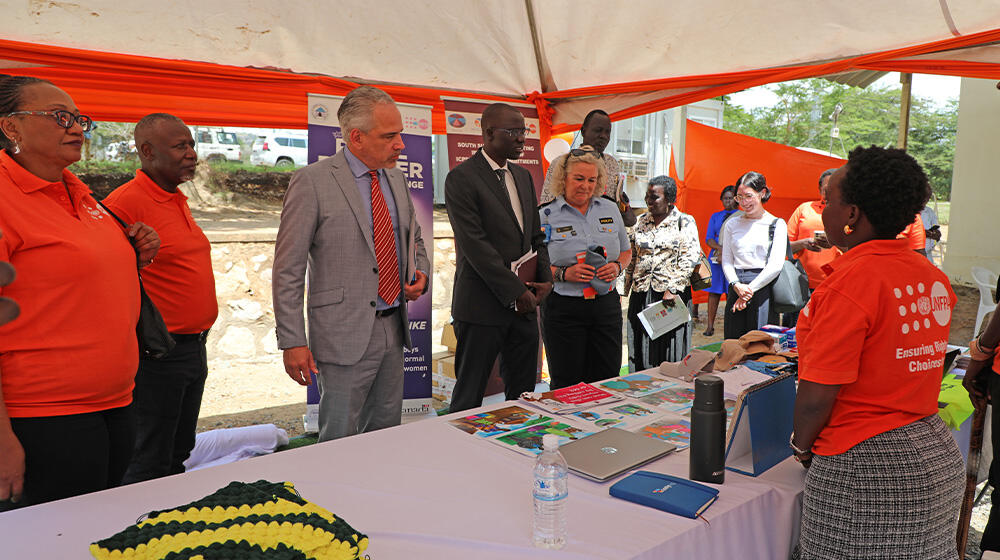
<point>550,492</point>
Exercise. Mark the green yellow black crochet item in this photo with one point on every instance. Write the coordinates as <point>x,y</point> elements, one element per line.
<point>243,520</point>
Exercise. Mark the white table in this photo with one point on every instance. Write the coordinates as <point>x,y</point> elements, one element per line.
<point>427,490</point>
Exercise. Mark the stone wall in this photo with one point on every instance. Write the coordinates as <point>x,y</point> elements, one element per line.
<point>244,330</point>
<point>245,327</point>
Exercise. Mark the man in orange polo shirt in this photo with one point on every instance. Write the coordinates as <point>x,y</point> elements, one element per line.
<point>167,396</point>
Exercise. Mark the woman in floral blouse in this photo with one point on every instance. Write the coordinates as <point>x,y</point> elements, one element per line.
<point>665,250</point>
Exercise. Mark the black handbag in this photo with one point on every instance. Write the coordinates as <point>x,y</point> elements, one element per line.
<point>701,274</point>
<point>790,290</point>
<point>154,339</point>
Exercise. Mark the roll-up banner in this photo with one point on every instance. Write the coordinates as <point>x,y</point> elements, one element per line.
<point>465,134</point>
<point>325,139</point>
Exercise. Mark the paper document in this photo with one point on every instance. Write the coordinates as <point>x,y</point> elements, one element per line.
<point>658,318</point>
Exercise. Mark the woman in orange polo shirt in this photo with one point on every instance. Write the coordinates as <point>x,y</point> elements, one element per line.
<point>886,477</point>
<point>67,363</point>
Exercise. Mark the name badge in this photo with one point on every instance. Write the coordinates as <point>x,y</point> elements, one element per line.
<point>607,220</point>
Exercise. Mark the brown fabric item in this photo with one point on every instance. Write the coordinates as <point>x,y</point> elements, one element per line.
<point>732,353</point>
<point>772,359</point>
<point>695,363</point>
<point>757,342</point>
<point>750,344</point>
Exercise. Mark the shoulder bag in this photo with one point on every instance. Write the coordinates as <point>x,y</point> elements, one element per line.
<point>701,276</point>
<point>154,339</point>
<point>790,290</point>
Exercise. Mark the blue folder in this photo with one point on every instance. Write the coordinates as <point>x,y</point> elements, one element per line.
<point>758,435</point>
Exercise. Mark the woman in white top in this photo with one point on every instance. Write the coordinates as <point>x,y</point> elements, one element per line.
<point>750,259</point>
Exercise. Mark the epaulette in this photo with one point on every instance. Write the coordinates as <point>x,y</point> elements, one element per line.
<point>609,198</point>
<point>544,204</point>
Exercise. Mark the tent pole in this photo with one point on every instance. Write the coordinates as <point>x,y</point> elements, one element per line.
<point>544,77</point>
<point>904,109</point>
<point>678,138</point>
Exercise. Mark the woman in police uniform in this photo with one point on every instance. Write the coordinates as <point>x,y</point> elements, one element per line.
<point>588,248</point>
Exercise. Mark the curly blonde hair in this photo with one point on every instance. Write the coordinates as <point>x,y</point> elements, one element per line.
<point>591,157</point>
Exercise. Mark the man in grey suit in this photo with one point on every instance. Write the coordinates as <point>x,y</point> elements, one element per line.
<point>348,225</point>
<point>493,212</point>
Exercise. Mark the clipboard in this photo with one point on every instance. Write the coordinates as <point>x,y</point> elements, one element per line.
<point>757,438</point>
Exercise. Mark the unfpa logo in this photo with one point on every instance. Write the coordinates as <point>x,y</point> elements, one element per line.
<point>668,486</point>
<point>922,305</point>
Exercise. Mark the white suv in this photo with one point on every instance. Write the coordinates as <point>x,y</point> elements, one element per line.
<point>215,144</point>
<point>280,150</point>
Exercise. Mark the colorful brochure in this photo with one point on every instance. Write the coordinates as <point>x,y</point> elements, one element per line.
<point>674,399</point>
<point>671,430</point>
<point>636,385</point>
<point>499,421</point>
<point>528,441</point>
<point>625,415</point>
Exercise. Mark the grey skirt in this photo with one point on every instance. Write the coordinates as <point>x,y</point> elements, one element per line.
<point>895,495</point>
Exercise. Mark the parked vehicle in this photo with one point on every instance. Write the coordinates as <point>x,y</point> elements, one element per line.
<point>280,149</point>
<point>215,144</point>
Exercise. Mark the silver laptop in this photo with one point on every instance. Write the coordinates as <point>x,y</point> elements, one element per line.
<point>611,452</point>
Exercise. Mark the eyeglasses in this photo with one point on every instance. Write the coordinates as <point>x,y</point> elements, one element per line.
<point>578,152</point>
<point>514,132</point>
<point>742,197</point>
<point>64,119</point>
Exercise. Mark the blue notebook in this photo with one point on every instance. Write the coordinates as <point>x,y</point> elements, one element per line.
<point>664,492</point>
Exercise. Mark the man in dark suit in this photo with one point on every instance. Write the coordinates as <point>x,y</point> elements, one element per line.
<point>493,211</point>
<point>348,225</point>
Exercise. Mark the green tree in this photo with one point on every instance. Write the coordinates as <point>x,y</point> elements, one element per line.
<point>870,116</point>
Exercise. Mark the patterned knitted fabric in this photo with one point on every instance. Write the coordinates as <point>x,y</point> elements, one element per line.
<point>264,520</point>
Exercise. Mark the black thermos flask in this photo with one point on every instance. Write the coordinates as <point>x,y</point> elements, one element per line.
<point>708,431</point>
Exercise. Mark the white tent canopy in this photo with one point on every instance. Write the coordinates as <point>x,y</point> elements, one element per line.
<point>499,47</point>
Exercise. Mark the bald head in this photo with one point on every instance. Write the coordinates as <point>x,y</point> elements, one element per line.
<point>503,132</point>
<point>146,126</point>
<point>166,150</point>
<point>496,112</point>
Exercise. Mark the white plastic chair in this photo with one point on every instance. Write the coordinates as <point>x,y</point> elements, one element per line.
<point>986,280</point>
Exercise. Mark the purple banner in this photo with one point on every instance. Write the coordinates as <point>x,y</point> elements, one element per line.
<point>416,164</point>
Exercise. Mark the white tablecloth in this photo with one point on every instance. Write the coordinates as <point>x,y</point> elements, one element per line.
<point>427,490</point>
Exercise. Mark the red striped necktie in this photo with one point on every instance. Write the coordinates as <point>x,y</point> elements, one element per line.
<point>385,245</point>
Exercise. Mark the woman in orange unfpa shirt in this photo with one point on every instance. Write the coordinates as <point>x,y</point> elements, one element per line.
<point>68,361</point>
<point>886,477</point>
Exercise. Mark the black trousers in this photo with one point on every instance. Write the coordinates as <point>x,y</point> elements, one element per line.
<point>477,350</point>
<point>75,454</point>
<point>754,315</point>
<point>991,534</point>
<point>167,400</point>
<point>670,347</point>
<point>583,338</point>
